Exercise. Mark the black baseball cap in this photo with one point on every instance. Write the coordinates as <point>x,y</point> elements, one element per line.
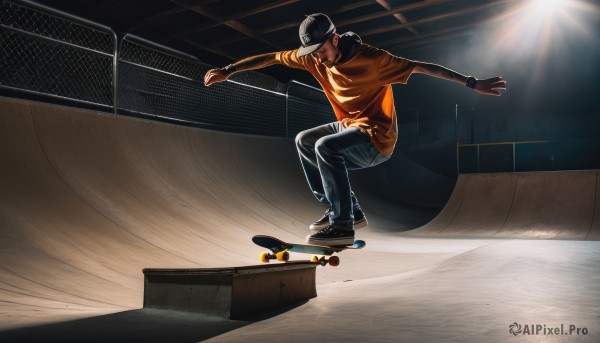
<point>314,32</point>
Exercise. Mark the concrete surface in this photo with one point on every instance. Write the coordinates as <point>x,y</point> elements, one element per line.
<point>88,200</point>
<point>549,205</point>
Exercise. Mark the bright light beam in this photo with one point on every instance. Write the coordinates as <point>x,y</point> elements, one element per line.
<point>534,28</point>
<point>548,6</point>
<point>541,41</point>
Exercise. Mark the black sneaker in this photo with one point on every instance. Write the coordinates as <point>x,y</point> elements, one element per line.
<point>322,222</point>
<point>331,236</point>
<point>360,221</point>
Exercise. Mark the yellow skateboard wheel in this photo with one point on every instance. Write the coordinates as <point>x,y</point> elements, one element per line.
<point>283,256</point>
<point>334,261</point>
<point>314,259</point>
<point>264,257</point>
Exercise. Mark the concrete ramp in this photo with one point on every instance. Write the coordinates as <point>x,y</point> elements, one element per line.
<point>547,205</point>
<point>90,199</point>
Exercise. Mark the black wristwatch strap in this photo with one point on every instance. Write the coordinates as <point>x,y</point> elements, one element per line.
<point>229,69</point>
<point>471,82</point>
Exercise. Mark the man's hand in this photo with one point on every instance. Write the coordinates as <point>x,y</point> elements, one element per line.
<point>214,76</point>
<point>248,63</point>
<point>491,86</point>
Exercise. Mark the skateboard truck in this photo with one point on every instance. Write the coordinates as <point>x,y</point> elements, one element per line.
<point>282,256</point>
<point>333,261</point>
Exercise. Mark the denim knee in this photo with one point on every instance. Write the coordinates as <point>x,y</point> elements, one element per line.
<point>300,139</point>
<point>322,147</point>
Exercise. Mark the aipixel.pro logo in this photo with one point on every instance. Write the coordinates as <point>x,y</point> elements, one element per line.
<point>546,330</point>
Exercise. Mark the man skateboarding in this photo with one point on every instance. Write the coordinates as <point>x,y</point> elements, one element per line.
<point>357,79</point>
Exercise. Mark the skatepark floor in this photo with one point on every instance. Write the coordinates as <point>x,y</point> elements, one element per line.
<point>432,290</point>
<point>90,199</point>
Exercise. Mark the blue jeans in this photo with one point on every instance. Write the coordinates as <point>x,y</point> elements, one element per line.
<point>327,152</point>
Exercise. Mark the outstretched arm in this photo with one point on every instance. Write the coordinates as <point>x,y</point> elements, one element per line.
<point>491,86</point>
<point>249,63</point>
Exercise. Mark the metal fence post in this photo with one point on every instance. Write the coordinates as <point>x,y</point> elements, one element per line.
<point>456,138</point>
<point>115,74</point>
<point>287,110</point>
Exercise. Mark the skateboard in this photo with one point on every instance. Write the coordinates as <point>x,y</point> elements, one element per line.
<point>280,250</point>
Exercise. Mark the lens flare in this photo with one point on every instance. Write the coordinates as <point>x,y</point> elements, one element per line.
<point>541,30</point>
<point>534,26</point>
<point>548,6</point>
<point>541,43</point>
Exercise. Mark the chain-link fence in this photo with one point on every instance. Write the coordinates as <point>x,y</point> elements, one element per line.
<point>306,107</point>
<point>49,52</point>
<point>60,57</point>
<point>56,55</point>
<point>160,82</point>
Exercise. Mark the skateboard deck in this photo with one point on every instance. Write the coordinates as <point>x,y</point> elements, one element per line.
<point>280,250</point>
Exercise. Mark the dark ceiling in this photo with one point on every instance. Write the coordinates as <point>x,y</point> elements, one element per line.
<point>221,31</point>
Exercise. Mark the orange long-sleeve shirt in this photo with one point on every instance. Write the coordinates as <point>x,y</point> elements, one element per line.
<point>360,89</point>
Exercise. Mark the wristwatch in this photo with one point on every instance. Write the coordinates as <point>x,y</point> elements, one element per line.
<point>228,69</point>
<point>471,82</point>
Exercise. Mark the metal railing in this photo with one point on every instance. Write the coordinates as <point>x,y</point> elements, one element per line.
<point>57,55</point>
<point>543,155</point>
<point>162,83</point>
<point>50,52</point>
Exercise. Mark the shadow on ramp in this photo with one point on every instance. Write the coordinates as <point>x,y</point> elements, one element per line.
<point>143,325</point>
